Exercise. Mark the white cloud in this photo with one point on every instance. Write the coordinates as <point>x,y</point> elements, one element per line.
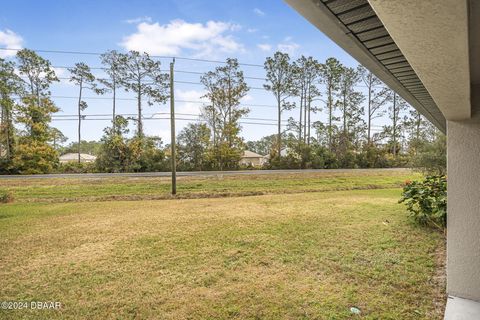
<point>138,20</point>
<point>288,46</point>
<point>235,27</point>
<point>258,12</point>
<point>252,30</point>
<point>9,40</point>
<point>204,40</point>
<point>264,47</point>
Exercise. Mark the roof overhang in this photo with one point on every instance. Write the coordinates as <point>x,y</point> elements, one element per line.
<point>417,48</point>
<point>433,35</point>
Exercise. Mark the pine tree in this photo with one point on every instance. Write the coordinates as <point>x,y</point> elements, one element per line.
<point>112,64</point>
<point>84,79</point>
<point>350,104</point>
<point>225,87</point>
<point>10,86</point>
<point>377,98</point>
<point>33,154</point>
<point>331,72</point>
<point>142,75</point>
<point>279,76</point>
<point>307,75</point>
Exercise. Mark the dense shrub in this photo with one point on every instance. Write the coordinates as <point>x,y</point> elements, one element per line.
<point>426,201</point>
<point>75,167</point>
<point>34,157</point>
<point>431,158</point>
<point>6,196</point>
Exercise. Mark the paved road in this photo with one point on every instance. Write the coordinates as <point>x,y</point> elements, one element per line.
<point>185,174</point>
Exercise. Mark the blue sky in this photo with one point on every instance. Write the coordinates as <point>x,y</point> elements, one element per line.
<point>214,30</point>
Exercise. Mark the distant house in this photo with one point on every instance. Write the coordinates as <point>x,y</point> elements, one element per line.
<point>250,158</point>
<point>283,153</point>
<point>73,157</point>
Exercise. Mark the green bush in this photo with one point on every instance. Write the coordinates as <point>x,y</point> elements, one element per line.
<point>431,158</point>
<point>6,196</point>
<point>426,201</point>
<point>34,157</point>
<point>75,167</point>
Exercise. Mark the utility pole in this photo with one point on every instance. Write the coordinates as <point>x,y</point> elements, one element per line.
<point>79,119</point>
<point>172,128</point>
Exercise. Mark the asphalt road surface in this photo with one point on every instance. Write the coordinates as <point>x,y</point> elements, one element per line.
<point>186,173</point>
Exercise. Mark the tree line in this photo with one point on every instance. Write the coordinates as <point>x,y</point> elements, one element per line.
<point>345,140</point>
<point>29,144</point>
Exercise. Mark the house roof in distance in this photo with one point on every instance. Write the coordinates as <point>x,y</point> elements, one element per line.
<point>74,156</point>
<point>251,154</point>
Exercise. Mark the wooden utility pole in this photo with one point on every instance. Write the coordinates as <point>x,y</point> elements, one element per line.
<point>172,129</point>
<point>80,120</point>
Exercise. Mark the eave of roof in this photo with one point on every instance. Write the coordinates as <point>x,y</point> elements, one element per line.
<point>354,26</point>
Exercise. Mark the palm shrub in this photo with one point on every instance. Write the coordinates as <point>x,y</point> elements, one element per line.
<point>426,201</point>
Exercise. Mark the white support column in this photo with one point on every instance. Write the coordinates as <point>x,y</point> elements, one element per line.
<point>463,223</point>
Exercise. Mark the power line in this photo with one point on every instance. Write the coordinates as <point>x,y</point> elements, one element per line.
<point>184,119</point>
<point>134,99</point>
<point>168,118</point>
<point>75,116</point>
<point>176,71</point>
<point>153,56</point>
<point>199,83</point>
<point>65,117</point>
<point>202,73</point>
<point>176,81</point>
<point>178,101</point>
<point>273,123</point>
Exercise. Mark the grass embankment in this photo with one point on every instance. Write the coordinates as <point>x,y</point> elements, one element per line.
<point>146,188</point>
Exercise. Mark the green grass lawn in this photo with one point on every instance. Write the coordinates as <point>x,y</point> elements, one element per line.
<point>126,188</point>
<point>309,255</point>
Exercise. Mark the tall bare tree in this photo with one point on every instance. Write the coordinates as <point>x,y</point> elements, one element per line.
<point>396,109</point>
<point>112,64</point>
<point>350,105</point>
<point>141,75</point>
<point>280,82</point>
<point>377,98</point>
<point>209,80</point>
<point>307,75</point>
<point>85,80</point>
<point>331,71</point>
